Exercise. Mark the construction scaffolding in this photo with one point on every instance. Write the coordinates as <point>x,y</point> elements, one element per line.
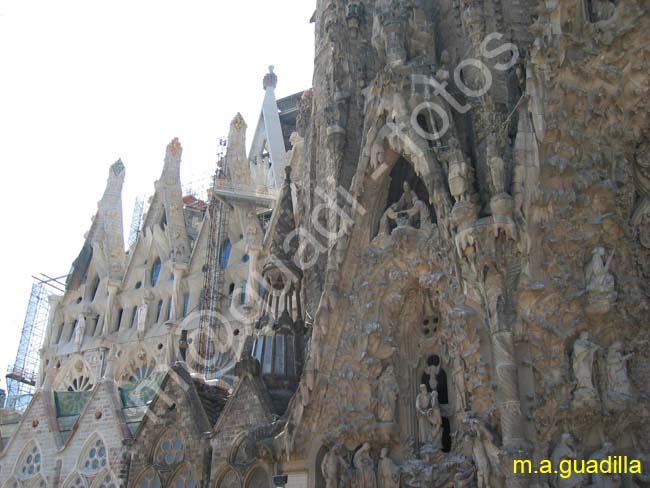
<point>136,221</point>
<point>23,373</point>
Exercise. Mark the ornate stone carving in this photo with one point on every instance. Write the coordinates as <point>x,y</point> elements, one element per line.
<point>365,467</point>
<point>388,472</point>
<point>388,391</point>
<point>458,377</point>
<point>582,361</point>
<point>408,210</point>
<point>619,388</point>
<point>565,450</point>
<point>333,467</point>
<point>429,419</point>
<point>601,288</point>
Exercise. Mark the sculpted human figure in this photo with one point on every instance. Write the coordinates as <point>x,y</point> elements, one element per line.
<point>365,467</point>
<point>419,212</point>
<point>388,391</point>
<point>432,370</point>
<point>601,287</point>
<point>603,480</point>
<point>429,418</point>
<point>80,331</point>
<point>481,460</point>
<point>582,361</point>
<point>389,474</point>
<point>618,381</point>
<point>460,173</point>
<point>404,204</point>
<point>565,450</point>
<point>333,467</point>
<point>458,375</point>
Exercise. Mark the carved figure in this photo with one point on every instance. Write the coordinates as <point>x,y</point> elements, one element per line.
<point>460,173</point>
<point>419,212</point>
<point>619,387</point>
<point>433,370</point>
<point>79,332</point>
<point>397,209</point>
<point>429,418</point>
<point>333,467</point>
<point>458,376</point>
<point>582,361</point>
<point>601,291</point>
<point>565,449</point>
<point>604,480</point>
<point>388,391</point>
<point>497,167</point>
<point>481,460</point>
<point>365,467</point>
<point>389,472</point>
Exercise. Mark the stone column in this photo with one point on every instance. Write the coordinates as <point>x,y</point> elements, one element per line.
<point>254,277</point>
<point>113,287</point>
<point>53,303</point>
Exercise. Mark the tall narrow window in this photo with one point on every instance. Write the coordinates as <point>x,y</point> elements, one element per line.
<point>186,304</point>
<point>159,310</point>
<point>242,294</point>
<point>134,315</point>
<point>155,271</point>
<point>93,288</point>
<point>118,323</point>
<point>74,327</point>
<point>169,309</point>
<point>225,253</point>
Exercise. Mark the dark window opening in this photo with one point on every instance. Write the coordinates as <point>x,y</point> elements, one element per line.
<point>159,310</point>
<point>93,288</point>
<point>155,271</point>
<point>443,397</point>
<point>134,314</point>
<point>119,319</point>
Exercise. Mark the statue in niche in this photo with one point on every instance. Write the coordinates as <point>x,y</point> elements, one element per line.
<point>365,467</point>
<point>565,450</point>
<point>619,387</point>
<point>497,167</point>
<point>601,292</point>
<point>388,392</point>
<point>408,210</point>
<point>429,418</point>
<point>458,377</point>
<point>460,173</point>
<point>582,361</point>
<point>79,332</point>
<point>333,467</point>
<point>433,370</point>
<point>481,461</point>
<point>389,473</point>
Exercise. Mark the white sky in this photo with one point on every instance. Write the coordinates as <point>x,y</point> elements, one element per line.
<point>85,83</point>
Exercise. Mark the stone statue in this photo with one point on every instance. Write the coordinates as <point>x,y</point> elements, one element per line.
<point>497,166</point>
<point>565,450</point>
<point>429,418</point>
<point>604,480</point>
<point>458,378</point>
<point>408,210</point>
<point>79,332</point>
<point>582,362</point>
<point>433,370</point>
<point>481,461</point>
<point>389,475</point>
<point>365,467</point>
<point>460,173</point>
<point>601,292</point>
<point>388,392</point>
<point>619,387</point>
<point>333,467</point>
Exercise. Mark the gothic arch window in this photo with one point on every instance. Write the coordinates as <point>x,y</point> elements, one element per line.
<point>11,483</point>
<point>159,310</point>
<point>38,482</point>
<point>170,450</point>
<point>258,478</point>
<point>155,271</point>
<point>224,255</point>
<point>92,290</point>
<point>75,377</point>
<point>443,394</point>
<point>137,383</point>
<point>75,480</point>
<point>106,479</point>
<point>185,477</point>
<point>29,463</point>
<point>94,457</point>
<point>230,480</point>
<point>148,479</point>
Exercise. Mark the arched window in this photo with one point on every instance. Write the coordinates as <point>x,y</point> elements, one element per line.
<point>148,479</point>
<point>134,316</point>
<point>242,293</point>
<point>186,304</point>
<point>257,479</point>
<point>29,464</point>
<point>118,322</point>
<point>169,309</point>
<point>38,482</point>
<point>155,271</point>
<point>225,253</point>
<point>11,483</point>
<point>75,480</point>
<point>230,480</point>
<point>94,458</point>
<point>92,291</point>
<point>105,479</point>
<point>184,478</point>
<point>170,450</point>
<point>159,310</point>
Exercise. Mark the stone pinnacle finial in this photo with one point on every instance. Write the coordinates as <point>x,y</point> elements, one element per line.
<point>117,167</point>
<point>174,148</point>
<point>270,79</point>
<point>238,122</point>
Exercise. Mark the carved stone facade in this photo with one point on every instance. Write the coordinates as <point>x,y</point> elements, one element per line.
<point>454,275</point>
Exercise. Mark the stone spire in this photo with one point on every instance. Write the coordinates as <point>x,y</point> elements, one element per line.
<point>274,137</point>
<point>169,202</point>
<point>110,218</point>
<point>285,226</point>
<point>236,160</point>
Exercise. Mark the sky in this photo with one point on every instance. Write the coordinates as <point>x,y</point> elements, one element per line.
<point>85,83</point>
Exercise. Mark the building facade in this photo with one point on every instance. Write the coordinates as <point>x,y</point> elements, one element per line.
<point>430,265</point>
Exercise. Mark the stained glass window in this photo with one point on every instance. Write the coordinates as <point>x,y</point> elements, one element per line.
<point>184,479</point>
<point>149,480</point>
<point>170,449</point>
<point>30,464</point>
<point>76,481</point>
<point>95,458</point>
<point>155,271</point>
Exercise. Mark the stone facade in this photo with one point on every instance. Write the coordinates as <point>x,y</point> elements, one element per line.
<point>454,275</point>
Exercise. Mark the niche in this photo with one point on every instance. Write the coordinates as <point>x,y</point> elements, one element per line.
<point>443,396</point>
